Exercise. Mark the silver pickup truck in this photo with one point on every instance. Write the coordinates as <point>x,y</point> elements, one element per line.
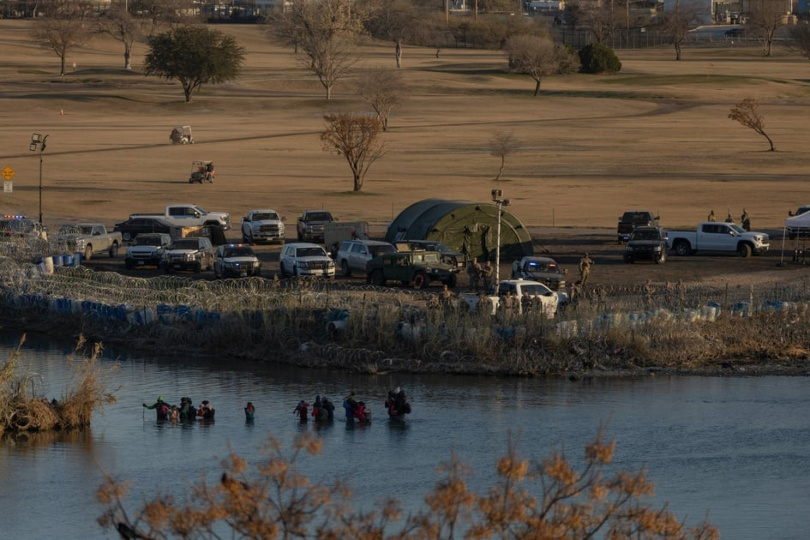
<point>89,239</point>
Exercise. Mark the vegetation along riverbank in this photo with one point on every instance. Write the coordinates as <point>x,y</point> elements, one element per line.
<point>759,330</point>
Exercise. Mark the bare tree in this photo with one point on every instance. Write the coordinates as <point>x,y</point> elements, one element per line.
<point>599,16</point>
<point>383,89</point>
<point>65,26</point>
<point>800,39</point>
<point>325,31</point>
<point>117,23</point>
<point>537,57</point>
<point>677,24</point>
<point>356,138</point>
<point>747,113</point>
<point>502,145</point>
<point>396,21</point>
<point>765,17</point>
<point>160,14</point>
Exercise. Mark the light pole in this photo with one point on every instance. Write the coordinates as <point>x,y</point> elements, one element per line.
<point>499,202</point>
<point>38,141</point>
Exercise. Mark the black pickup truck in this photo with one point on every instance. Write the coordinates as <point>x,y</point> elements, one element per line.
<point>647,243</point>
<point>632,219</point>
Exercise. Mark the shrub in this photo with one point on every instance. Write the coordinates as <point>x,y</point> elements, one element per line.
<point>598,58</point>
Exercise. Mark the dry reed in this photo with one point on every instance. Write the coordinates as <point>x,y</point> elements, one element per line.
<point>22,409</point>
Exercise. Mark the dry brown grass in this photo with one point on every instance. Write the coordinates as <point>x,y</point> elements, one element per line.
<point>655,135</point>
<point>23,409</point>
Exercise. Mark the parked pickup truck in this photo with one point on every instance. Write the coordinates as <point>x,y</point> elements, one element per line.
<point>89,239</point>
<point>647,244</point>
<point>190,215</point>
<point>311,225</point>
<point>263,226</point>
<point>713,237</point>
<point>542,298</point>
<point>632,219</point>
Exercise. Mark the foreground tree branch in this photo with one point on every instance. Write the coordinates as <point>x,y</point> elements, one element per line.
<point>277,501</point>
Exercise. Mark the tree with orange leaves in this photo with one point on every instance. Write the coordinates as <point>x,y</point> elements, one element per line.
<point>279,502</point>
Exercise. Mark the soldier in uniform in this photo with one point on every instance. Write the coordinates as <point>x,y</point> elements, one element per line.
<point>711,216</point>
<point>487,273</point>
<point>474,273</point>
<point>745,220</point>
<point>649,291</point>
<point>585,264</point>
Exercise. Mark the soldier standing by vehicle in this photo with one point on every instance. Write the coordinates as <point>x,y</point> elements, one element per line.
<point>488,272</point>
<point>745,220</point>
<point>585,264</point>
<point>711,217</point>
<point>474,273</point>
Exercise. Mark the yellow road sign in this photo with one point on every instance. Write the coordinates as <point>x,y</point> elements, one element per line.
<point>8,173</point>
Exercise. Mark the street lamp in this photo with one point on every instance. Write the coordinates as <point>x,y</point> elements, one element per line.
<point>38,141</point>
<point>497,195</point>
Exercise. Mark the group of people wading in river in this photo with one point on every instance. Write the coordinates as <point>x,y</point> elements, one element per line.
<point>323,410</point>
<point>184,412</point>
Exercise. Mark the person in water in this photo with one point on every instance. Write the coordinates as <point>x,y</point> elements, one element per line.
<point>319,414</point>
<point>187,410</point>
<point>397,404</point>
<point>301,410</point>
<point>350,405</point>
<point>250,412</point>
<point>206,411</point>
<point>329,407</point>
<point>160,407</point>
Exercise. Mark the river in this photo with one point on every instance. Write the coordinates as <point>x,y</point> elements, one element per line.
<point>733,448</point>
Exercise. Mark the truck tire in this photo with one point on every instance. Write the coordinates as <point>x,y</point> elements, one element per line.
<point>113,251</point>
<point>88,252</point>
<point>198,268</point>
<point>126,237</point>
<point>344,268</point>
<point>378,278</point>
<point>681,248</point>
<point>744,250</point>
<point>420,280</point>
<point>452,281</point>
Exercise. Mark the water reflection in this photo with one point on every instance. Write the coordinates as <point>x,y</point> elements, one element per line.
<point>735,447</point>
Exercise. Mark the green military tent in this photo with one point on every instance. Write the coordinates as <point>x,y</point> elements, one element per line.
<point>467,227</point>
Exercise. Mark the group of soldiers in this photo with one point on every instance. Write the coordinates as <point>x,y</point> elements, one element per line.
<point>744,219</point>
<point>478,273</point>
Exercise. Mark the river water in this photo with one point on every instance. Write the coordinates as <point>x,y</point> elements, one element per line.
<point>735,449</point>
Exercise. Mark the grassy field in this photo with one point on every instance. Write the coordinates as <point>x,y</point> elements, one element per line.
<point>654,136</point>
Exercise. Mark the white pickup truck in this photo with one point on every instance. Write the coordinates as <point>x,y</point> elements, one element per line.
<point>718,237</point>
<point>263,226</point>
<point>190,215</point>
<point>89,239</point>
<point>541,297</point>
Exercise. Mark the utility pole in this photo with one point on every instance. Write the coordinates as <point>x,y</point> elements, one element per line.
<point>497,195</point>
